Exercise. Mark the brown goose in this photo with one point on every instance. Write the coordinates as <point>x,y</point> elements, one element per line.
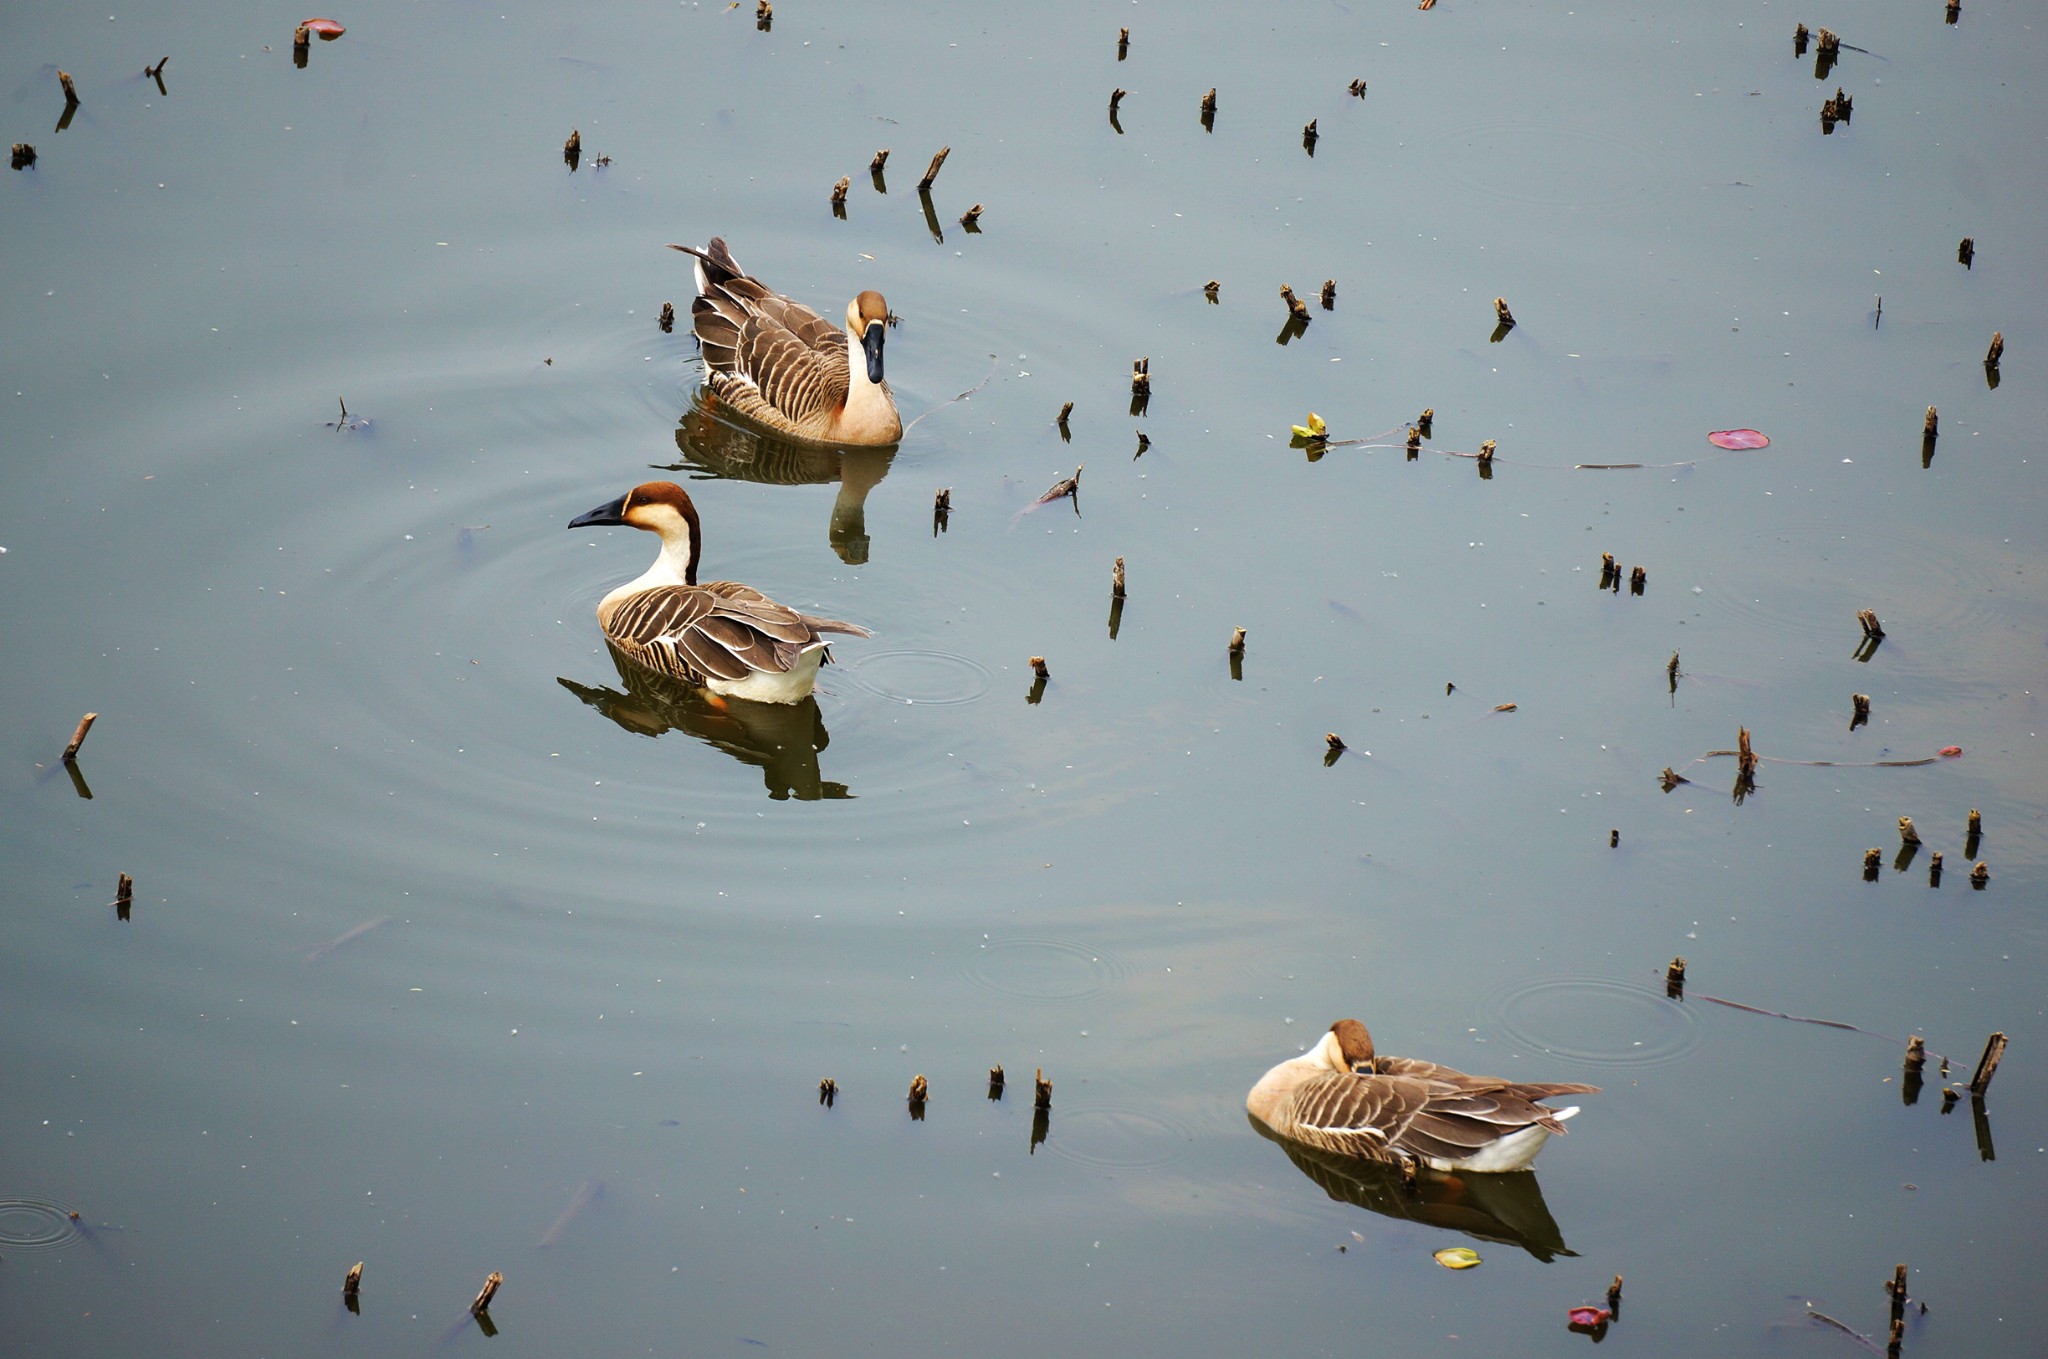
<point>727,637</point>
<point>776,362</point>
<point>1342,1097</point>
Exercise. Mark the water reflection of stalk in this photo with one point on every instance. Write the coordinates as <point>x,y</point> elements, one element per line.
<point>711,448</point>
<point>782,740</point>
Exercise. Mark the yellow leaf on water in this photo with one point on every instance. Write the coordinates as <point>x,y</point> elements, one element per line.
<point>1315,424</point>
<point>1457,1257</point>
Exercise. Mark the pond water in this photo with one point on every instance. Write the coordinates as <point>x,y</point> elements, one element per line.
<point>453,952</point>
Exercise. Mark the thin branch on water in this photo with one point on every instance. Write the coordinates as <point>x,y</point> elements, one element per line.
<point>994,363</point>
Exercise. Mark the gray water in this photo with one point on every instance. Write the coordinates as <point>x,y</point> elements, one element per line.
<point>348,675</point>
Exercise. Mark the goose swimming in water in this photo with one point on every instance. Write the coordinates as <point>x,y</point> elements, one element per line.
<point>778,363</point>
<point>1341,1096</point>
<point>727,637</point>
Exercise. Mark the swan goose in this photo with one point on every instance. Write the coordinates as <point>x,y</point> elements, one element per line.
<point>1340,1096</point>
<point>779,364</point>
<point>727,637</point>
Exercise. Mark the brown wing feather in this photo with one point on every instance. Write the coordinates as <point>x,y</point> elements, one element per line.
<point>773,358</point>
<point>722,630</point>
<point>1380,1116</point>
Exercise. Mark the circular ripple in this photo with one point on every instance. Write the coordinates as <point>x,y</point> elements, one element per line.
<point>1110,1138</point>
<point>920,676</point>
<point>1044,969</point>
<point>1549,166</point>
<point>1595,1020</point>
<point>1953,585</point>
<point>33,1224</point>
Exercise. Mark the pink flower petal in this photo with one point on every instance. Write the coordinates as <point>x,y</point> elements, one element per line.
<point>1739,438</point>
<point>1590,1316</point>
<point>326,28</point>
<point>1950,752</point>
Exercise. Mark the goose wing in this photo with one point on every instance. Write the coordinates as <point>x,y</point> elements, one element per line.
<point>795,357</point>
<point>1383,1116</point>
<point>720,630</point>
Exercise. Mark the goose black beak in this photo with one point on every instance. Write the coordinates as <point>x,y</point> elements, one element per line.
<point>608,513</point>
<point>871,345</point>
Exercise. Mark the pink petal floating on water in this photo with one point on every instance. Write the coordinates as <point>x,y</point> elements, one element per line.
<point>1739,438</point>
<point>1590,1316</point>
<point>326,28</point>
<point>1949,752</point>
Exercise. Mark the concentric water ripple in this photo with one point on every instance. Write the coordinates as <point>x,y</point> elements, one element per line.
<point>1595,1020</point>
<point>35,1224</point>
<point>1108,1137</point>
<point>1045,969</point>
<point>913,676</point>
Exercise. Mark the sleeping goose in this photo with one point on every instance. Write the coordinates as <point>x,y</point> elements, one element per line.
<point>727,637</point>
<point>1340,1096</point>
<point>778,363</point>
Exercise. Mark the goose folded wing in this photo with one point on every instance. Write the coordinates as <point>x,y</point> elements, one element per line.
<point>794,376</point>
<point>1457,1121</point>
<point>1361,1115</point>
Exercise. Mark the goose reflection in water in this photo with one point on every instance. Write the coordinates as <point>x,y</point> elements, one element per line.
<point>1507,1208</point>
<point>714,449</point>
<point>782,740</point>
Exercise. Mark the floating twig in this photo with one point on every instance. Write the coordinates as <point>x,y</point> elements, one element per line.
<point>1997,350</point>
<point>1987,1065</point>
<point>316,953</point>
<point>971,219</point>
<point>587,1193</point>
<point>78,735</point>
<point>1060,490</point>
<point>932,171</point>
<point>1865,1341</point>
<point>70,90</point>
<point>482,1302</point>
<point>1357,88</point>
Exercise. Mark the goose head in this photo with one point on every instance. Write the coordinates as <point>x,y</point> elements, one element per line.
<point>662,508</point>
<point>1353,1044</point>
<point>867,319</point>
